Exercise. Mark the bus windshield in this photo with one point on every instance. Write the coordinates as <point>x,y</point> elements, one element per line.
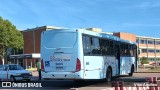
<point>59,39</point>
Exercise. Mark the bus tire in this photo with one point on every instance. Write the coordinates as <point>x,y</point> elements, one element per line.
<point>109,75</point>
<point>132,70</point>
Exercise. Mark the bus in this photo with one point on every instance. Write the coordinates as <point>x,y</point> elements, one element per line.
<point>80,54</point>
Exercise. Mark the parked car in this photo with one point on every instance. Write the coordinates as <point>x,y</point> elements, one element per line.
<point>14,72</point>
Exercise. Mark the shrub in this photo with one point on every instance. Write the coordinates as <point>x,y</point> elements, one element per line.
<point>144,60</point>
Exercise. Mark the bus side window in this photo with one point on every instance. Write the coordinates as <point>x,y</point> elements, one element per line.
<point>84,42</point>
<point>131,50</point>
<point>126,50</point>
<point>104,47</point>
<point>112,48</point>
<point>122,49</point>
<point>96,46</point>
<point>86,45</point>
<point>135,51</point>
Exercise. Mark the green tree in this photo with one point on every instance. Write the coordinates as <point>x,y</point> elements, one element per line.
<point>9,37</point>
<point>144,60</point>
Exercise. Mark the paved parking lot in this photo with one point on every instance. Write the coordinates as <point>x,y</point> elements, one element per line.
<point>98,85</point>
<point>94,85</point>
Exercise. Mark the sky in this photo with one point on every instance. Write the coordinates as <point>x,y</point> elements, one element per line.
<point>140,17</point>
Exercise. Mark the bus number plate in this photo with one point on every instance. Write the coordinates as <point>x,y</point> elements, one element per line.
<point>59,68</point>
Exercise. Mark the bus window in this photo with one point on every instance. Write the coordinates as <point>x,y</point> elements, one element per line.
<point>84,42</point>
<point>102,46</point>
<point>59,39</point>
<point>131,50</point>
<point>111,48</point>
<point>127,50</point>
<point>96,46</point>
<point>105,47</point>
<point>87,45</point>
<point>124,50</point>
<point>135,51</point>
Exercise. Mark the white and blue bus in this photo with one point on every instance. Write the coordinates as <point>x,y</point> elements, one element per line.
<point>79,54</point>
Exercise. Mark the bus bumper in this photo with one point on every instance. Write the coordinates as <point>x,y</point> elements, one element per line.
<point>62,75</point>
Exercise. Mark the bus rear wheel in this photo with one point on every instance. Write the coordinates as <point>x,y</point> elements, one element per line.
<point>109,75</point>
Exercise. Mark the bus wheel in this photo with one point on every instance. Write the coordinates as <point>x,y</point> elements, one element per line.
<point>132,70</point>
<point>109,75</point>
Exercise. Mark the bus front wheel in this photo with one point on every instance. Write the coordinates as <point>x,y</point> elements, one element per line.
<point>109,75</point>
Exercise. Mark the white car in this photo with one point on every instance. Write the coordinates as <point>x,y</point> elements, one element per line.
<point>14,72</point>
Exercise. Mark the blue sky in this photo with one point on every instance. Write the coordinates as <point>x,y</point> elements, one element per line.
<point>141,17</point>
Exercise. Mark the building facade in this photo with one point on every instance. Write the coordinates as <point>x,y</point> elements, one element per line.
<point>32,40</point>
<point>149,47</point>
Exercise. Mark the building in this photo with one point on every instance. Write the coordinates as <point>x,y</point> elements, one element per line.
<point>149,47</point>
<point>32,40</point>
<point>126,36</point>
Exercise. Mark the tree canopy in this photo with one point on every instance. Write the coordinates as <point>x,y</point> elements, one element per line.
<point>10,37</point>
<point>144,60</point>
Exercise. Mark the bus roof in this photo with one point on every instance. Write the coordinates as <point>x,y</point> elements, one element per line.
<point>104,35</point>
<point>100,34</point>
<point>116,38</point>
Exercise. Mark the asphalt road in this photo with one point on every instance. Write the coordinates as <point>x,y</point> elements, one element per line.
<point>68,84</point>
<point>139,78</point>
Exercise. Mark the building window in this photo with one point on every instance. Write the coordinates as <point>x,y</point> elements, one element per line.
<point>158,59</point>
<point>157,51</point>
<point>137,40</point>
<point>143,41</point>
<point>150,41</point>
<point>151,59</point>
<point>144,50</point>
<point>151,50</point>
<point>157,42</point>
